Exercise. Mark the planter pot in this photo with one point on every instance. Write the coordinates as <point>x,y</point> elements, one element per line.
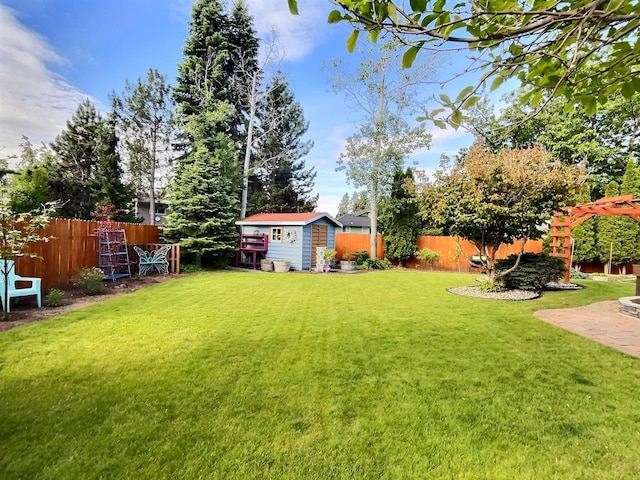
<point>266,265</point>
<point>347,265</point>
<point>281,266</point>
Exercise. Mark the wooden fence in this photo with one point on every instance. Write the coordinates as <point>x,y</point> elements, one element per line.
<point>74,247</point>
<point>445,246</point>
<point>356,242</point>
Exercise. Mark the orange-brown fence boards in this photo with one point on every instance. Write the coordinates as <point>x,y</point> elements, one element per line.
<point>349,243</point>
<point>445,246</point>
<point>73,247</point>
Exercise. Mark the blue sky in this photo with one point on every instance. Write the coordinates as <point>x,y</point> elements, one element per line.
<point>56,53</point>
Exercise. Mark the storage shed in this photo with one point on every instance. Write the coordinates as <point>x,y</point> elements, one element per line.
<point>293,236</point>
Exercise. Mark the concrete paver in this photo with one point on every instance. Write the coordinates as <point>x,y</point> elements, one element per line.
<point>601,322</point>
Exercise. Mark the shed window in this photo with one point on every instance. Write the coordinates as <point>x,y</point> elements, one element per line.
<point>276,234</point>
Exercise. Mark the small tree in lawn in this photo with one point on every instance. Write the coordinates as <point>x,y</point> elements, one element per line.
<point>494,198</point>
<point>17,232</point>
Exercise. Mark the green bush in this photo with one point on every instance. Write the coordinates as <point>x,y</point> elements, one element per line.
<point>361,257</point>
<point>377,264</point>
<point>89,281</point>
<point>428,256</point>
<point>577,274</point>
<point>54,297</point>
<point>533,273</point>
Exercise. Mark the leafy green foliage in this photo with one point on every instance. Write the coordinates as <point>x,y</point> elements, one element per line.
<point>385,97</point>
<point>494,198</point>
<point>377,264</point>
<point>428,256</point>
<point>602,142</point>
<point>543,44</point>
<point>533,272</point>
<point>90,281</point>
<point>400,218</point>
<point>54,298</point>
<point>17,232</point>
<point>361,257</point>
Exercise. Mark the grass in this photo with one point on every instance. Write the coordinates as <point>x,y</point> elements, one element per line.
<point>382,375</point>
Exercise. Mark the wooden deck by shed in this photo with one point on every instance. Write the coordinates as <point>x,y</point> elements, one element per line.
<point>293,236</point>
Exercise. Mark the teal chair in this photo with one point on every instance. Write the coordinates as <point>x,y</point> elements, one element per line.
<point>15,292</point>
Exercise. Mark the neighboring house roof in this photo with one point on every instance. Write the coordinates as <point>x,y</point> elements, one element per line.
<point>287,219</point>
<point>354,220</point>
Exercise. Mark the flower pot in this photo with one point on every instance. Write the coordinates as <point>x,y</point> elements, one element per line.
<point>266,265</point>
<point>347,264</point>
<point>281,266</point>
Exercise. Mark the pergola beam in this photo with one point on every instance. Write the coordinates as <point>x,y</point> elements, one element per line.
<point>569,217</point>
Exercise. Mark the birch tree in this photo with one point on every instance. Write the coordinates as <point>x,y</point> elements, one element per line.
<point>385,97</point>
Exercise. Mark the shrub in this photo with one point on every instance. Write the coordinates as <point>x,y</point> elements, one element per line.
<point>534,271</point>
<point>577,274</point>
<point>89,281</point>
<point>329,255</point>
<point>54,297</point>
<point>427,255</point>
<point>377,264</point>
<point>361,257</point>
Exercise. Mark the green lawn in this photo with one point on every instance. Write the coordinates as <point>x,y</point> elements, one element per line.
<point>382,375</point>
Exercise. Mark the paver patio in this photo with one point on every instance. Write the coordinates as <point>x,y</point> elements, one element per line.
<point>601,322</point>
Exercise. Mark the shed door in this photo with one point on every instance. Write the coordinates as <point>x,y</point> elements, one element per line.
<point>318,239</point>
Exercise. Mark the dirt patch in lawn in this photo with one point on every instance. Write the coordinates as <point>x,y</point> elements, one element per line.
<point>25,310</point>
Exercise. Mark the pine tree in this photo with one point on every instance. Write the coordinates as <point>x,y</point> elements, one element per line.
<point>203,199</point>
<point>242,65</point>
<point>344,206</point>
<point>86,171</point>
<point>283,182</point>
<point>145,119</point>
<point>109,187</point>
<point>400,219</point>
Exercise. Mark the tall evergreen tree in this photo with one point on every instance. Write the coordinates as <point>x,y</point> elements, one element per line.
<point>283,181</point>
<point>344,206</point>
<point>203,207</point>
<point>145,119</point>
<point>204,191</point>
<point>86,170</point>
<point>400,219</point>
<point>242,65</point>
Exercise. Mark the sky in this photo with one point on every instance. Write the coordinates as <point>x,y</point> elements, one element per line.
<point>56,53</point>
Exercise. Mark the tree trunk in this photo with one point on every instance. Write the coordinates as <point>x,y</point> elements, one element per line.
<point>247,150</point>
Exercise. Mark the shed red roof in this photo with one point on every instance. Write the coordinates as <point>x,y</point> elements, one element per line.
<point>285,218</point>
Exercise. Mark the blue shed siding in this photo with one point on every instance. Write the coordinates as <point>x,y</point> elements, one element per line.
<point>298,252</point>
<point>281,250</point>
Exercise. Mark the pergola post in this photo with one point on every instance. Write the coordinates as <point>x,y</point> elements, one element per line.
<point>569,217</point>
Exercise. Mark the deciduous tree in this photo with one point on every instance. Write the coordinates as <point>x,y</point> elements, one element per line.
<point>492,199</point>
<point>546,45</point>
<point>385,97</point>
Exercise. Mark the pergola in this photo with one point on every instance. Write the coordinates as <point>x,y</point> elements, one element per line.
<point>569,217</point>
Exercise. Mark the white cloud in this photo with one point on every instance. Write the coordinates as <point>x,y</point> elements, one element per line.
<point>34,101</point>
<point>297,34</point>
